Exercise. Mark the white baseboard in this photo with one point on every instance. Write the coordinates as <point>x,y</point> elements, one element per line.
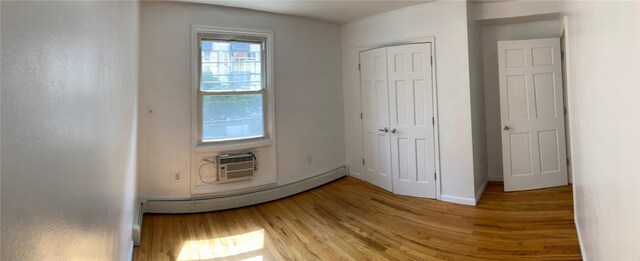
<point>479,193</point>
<point>355,175</point>
<point>130,257</point>
<point>459,200</point>
<point>236,201</point>
<point>580,242</point>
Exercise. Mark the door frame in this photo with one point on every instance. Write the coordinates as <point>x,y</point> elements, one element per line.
<point>564,45</point>
<point>436,126</point>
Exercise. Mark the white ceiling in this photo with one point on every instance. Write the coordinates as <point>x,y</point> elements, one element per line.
<point>339,12</point>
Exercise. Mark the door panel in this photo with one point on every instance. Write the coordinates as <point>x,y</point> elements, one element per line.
<point>411,107</point>
<point>531,108</point>
<point>549,147</point>
<point>520,153</point>
<point>545,95</point>
<point>375,117</point>
<point>517,98</point>
<point>421,165</point>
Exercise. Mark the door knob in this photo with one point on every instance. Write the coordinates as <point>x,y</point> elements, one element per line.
<point>506,127</point>
<point>384,130</point>
<point>394,131</point>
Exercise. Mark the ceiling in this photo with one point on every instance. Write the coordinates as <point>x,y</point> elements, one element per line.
<point>339,12</point>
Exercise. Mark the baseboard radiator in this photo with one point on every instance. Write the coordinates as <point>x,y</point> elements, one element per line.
<point>241,200</point>
<point>137,224</point>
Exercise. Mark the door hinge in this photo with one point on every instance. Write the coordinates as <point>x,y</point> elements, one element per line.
<point>431,59</point>
<point>362,161</point>
<point>361,117</point>
<point>435,176</point>
<point>565,110</point>
<point>562,55</point>
<point>567,162</point>
<point>433,120</point>
<point>358,67</point>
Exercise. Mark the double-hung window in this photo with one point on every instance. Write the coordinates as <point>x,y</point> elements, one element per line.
<point>232,89</point>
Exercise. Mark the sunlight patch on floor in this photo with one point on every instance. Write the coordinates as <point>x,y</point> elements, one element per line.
<point>223,246</point>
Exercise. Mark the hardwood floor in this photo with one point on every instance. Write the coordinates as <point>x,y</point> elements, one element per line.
<point>351,219</point>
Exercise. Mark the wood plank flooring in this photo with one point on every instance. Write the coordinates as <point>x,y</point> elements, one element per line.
<point>350,219</point>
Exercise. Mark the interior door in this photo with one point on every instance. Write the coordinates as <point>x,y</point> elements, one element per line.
<point>375,117</point>
<point>411,123</point>
<point>532,114</point>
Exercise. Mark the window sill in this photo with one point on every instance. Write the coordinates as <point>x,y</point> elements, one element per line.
<point>235,145</point>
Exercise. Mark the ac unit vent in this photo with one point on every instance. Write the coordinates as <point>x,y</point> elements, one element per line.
<point>235,167</point>
<point>230,159</point>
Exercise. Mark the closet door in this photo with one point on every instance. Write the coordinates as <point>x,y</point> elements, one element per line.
<point>411,125</point>
<point>375,117</point>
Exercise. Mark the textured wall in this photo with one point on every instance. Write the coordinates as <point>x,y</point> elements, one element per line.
<point>69,95</point>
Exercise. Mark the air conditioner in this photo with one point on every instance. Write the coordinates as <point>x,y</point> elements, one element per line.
<point>235,167</point>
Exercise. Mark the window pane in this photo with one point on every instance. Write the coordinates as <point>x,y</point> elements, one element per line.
<point>232,116</point>
<point>231,65</point>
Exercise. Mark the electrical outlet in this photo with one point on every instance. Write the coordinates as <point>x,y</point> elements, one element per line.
<point>177,177</point>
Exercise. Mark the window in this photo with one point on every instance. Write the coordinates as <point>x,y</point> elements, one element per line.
<point>232,89</point>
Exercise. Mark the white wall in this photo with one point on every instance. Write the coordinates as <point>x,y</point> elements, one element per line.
<point>604,94</point>
<point>309,110</point>
<point>491,34</point>
<point>512,11</point>
<point>474,32</point>
<point>447,22</point>
<point>69,92</point>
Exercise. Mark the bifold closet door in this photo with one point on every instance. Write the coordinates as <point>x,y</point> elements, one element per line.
<point>397,110</point>
<point>375,116</point>
<point>411,120</point>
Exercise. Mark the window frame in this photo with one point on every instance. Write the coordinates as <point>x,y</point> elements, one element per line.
<point>265,38</point>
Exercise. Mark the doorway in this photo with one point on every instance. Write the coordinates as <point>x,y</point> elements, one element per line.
<point>532,114</point>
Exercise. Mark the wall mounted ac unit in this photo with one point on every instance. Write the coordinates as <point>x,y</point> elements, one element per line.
<point>235,167</point>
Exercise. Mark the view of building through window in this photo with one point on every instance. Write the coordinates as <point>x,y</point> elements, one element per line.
<point>232,87</point>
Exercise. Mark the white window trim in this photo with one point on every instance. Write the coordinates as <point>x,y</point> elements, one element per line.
<point>269,108</point>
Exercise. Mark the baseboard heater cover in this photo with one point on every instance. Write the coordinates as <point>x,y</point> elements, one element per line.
<point>137,224</point>
<point>242,200</point>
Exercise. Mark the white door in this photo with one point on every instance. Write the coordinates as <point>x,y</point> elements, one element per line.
<point>411,123</point>
<point>532,114</point>
<point>375,116</point>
